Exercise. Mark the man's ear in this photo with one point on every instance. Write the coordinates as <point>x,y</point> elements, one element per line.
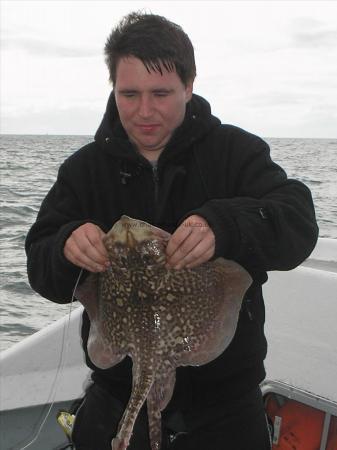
<point>189,90</point>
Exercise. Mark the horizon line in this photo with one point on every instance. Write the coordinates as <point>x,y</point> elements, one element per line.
<point>92,135</point>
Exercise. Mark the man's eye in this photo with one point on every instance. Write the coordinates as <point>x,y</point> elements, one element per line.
<point>161,94</point>
<point>129,94</point>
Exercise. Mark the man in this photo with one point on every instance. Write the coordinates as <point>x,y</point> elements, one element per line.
<point>159,155</point>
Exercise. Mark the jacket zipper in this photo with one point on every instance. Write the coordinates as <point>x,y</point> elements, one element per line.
<point>156,182</point>
<point>156,190</point>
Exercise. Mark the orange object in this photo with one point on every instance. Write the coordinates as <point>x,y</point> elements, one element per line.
<point>332,437</point>
<point>272,406</point>
<point>301,426</point>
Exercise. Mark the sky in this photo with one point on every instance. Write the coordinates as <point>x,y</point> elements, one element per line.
<point>267,66</point>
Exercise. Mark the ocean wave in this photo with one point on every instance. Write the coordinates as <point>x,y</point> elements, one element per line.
<point>18,210</point>
<point>31,165</point>
<point>15,328</point>
<point>20,287</point>
<point>15,193</point>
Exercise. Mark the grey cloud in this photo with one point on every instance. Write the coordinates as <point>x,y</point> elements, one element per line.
<point>315,38</point>
<point>48,49</point>
<point>290,99</point>
<point>70,120</point>
<point>311,32</point>
<point>272,98</point>
<point>306,22</point>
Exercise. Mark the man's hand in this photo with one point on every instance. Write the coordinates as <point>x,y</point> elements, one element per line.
<point>85,248</point>
<point>191,244</point>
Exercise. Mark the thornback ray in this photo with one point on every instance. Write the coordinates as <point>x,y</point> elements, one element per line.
<point>162,318</point>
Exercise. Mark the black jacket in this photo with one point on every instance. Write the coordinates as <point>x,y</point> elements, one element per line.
<point>260,218</point>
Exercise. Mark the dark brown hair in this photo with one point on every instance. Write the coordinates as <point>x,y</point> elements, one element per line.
<point>153,39</point>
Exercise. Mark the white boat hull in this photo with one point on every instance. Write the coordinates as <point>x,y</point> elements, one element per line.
<point>301,311</point>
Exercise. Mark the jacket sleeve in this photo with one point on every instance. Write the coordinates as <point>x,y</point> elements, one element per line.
<point>49,272</point>
<point>269,221</point>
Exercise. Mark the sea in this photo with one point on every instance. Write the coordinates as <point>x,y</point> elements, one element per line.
<point>28,168</point>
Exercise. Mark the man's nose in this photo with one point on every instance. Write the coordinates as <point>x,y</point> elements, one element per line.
<point>145,106</point>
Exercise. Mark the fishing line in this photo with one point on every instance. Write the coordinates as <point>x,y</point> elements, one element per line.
<point>60,367</point>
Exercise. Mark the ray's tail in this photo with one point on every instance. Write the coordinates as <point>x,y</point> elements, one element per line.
<point>154,417</point>
<point>143,379</point>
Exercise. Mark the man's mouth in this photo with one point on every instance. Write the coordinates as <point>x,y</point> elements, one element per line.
<point>147,128</point>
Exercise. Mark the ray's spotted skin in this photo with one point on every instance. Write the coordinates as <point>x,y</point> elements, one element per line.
<point>162,318</point>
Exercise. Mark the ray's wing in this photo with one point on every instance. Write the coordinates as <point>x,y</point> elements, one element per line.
<point>100,350</point>
<point>199,310</point>
<point>87,294</point>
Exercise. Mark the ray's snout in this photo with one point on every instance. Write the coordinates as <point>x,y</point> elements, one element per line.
<point>128,232</point>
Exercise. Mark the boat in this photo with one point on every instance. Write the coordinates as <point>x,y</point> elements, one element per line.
<point>300,389</point>
<point>46,373</point>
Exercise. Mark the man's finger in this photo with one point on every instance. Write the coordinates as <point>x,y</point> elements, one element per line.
<point>97,247</point>
<point>202,252</point>
<point>186,249</point>
<point>177,238</point>
<point>206,256</point>
<point>85,248</point>
<point>75,255</point>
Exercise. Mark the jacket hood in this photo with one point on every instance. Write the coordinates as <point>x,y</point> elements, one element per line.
<point>197,123</point>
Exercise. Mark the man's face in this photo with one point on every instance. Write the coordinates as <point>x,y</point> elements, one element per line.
<point>150,105</point>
